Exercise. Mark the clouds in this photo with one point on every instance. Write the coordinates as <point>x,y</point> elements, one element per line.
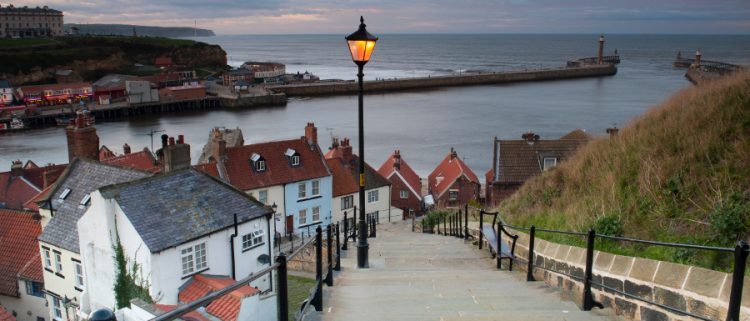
<point>418,16</point>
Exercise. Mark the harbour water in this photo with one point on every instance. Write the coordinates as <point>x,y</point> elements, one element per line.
<point>424,125</point>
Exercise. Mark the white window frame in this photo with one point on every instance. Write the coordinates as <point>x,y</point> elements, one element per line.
<point>193,259</point>
<point>344,202</point>
<point>552,165</point>
<point>263,196</point>
<point>302,214</point>
<point>295,160</point>
<point>316,214</point>
<point>247,241</point>
<point>404,194</point>
<point>301,190</point>
<point>78,273</point>
<point>85,200</point>
<point>257,237</point>
<point>315,187</point>
<point>64,194</point>
<point>453,195</point>
<point>58,262</point>
<point>56,307</point>
<point>260,166</point>
<point>373,196</point>
<point>47,258</point>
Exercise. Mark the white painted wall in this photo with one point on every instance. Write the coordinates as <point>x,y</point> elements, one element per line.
<point>25,307</point>
<point>275,195</point>
<point>64,287</point>
<point>382,205</point>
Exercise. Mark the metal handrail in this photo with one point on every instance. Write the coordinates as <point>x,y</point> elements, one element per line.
<point>665,307</point>
<point>301,247</point>
<point>307,302</point>
<point>681,245</point>
<point>191,306</point>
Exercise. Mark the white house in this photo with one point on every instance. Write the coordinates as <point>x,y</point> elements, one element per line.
<point>345,168</point>
<point>64,278</point>
<point>174,226</point>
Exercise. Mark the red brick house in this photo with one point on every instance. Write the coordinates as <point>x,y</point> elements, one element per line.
<point>515,161</point>
<point>22,183</point>
<point>406,187</point>
<point>452,183</point>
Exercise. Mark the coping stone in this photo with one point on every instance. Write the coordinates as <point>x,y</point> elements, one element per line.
<point>671,274</point>
<point>705,282</point>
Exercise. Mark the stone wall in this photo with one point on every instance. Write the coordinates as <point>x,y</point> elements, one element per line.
<point>261,100</point>
<point>696,290</point>
<point>305,260</point>
<point>351,87</point>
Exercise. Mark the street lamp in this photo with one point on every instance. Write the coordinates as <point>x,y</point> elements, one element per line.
<point>276,238</point>
<point>361,43</point>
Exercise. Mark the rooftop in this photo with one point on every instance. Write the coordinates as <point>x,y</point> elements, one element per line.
<point>403,170</point>
<point>20,250</point>
<point>227,307</point>
<point>450,169</point>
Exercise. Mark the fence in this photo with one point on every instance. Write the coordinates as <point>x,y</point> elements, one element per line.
<point>452,226</point>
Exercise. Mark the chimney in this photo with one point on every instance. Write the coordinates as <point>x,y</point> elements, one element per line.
<point>612,131</point>
<point>600,54</point>
<point>530,137</point>
<point>82,139</point>
<point>346,151</point>
<point>453,153</point>
<point>16,168</point>
<point>397,159</point>
<point>334,143</point>
<point>176,155</point>
<point>311,134</point>
<point>218,145</point>
<point>698,58</point>
<point>126,149</point>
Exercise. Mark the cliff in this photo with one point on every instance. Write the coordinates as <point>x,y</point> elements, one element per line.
<point>92,57</point>
<point>679,173</point>
<point>127,30</point>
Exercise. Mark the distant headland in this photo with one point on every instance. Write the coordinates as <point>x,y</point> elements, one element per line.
<point>129,30</point>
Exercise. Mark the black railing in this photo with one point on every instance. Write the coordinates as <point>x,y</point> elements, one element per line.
<point>741,251</point>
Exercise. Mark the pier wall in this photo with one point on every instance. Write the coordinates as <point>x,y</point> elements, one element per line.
<point>351,87</point>
<point>275,99</point>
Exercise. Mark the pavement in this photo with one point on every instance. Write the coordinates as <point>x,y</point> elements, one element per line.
<point>414,276</point>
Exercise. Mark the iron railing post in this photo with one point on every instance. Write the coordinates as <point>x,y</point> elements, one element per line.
<point>457,224</point>
<point>460,224</point>
<point>530,267</point>
<point>481,222</point>
<point>588,297</point>
<point>375,226</point>
<point>738,278</point>
<point>499,239</point>
<point>413,220</point>
<point>445,225</point>
<point>329,247</point>
<point>338,249</point>
<point>318,298</point>
<point>346,232</point>
<point>466,222</point>
<point>282,286</point>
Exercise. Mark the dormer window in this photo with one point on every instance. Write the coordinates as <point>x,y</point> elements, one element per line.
<point>549,162</point>
<point>293,157</point>
<point>64,194</point>
<point>258,162</point>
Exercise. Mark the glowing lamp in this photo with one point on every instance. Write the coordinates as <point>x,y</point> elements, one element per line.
<point>361,44</point>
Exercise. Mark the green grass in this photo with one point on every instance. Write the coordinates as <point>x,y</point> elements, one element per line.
<point>299,290</point>
<point>680,173</point>
<point>25,42</point>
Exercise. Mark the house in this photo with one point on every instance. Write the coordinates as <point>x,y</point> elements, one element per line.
<point>266,72</point>
<point>67,76</point>
<point>60,211</point>
<point>174,226</point>
<point>111,88</point>
<point>22,183</point>
<point>515,161</point>
<point>406,187</point>
<point>220,137</point>
<point>292,174</point>
<point>140,92</point>
<point>56,94</point>
<point>21,281</point>
<point>452,183</point>
<point>188,91</point>
<point>231,77</point>
<point>344,167</point>
<point>26,22</point>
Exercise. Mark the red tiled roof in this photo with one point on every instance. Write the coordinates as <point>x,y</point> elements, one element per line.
<point>451,168</point>
<point>36,175</point>
<point>343,181</point>
<point>225,308</point>
<point>20,250</point>
<point>142,160</point>
<point>15,191</point>
<point>190,316</point>
<point>278,169</point>
<point>208,168</point>
<point>163,61</point>
<point>32,203</point>
<point>5,315</point>
<point>411,178</point>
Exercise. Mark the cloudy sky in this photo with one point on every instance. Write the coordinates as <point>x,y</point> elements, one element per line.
<point>418,16</point>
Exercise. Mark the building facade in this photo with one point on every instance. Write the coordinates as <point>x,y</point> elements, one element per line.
<point>56,94</point>
<point>406,187</point>
<point>6,93</point>
<point>453,183</point>
<point>266,72</point>
<point>25,22</point>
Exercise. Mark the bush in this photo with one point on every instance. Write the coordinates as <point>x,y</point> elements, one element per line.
<point>609,224</point>
<point>729,219</point>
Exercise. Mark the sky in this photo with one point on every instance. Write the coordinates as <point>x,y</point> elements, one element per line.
<point>417,16</point>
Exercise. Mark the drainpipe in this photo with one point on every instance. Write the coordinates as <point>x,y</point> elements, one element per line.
<point>231,246</point>
<point>270,257</point>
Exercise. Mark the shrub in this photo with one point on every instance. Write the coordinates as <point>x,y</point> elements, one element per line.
<point>609,224</point>
<point>729,219</point>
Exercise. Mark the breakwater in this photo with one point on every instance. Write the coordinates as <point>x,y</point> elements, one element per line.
<point>386,85</point>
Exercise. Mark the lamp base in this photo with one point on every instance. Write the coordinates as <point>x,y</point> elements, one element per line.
<point>362,261</point>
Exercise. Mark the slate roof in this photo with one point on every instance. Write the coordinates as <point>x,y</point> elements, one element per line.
<point>410,176</point>
<point>518,160</point>
<point>278,171</point>
<point>19,250</point>
<point>225,308</point>
<point>173,208</point>
<point>82,177</point>
<point>450,168</point>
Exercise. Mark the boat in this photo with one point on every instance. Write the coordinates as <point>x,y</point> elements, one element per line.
<point>14,124</point>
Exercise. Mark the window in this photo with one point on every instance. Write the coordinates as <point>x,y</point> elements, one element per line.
<point>404,194</point>
<point>260,166</point>
<point>57,307</point>
<point>47,259</point>
<point>85,200</point>
<point>549,162</point>
<point>302,190</point>
<point>258,237</point>
<point>263,196</point>
<point>295,160</point>
<point>302,216</point>
<point>347,202</point>
<point>79,274</point>
<point>64,194</point>
<point>453,194</point>
<point>194,259</point>
<point>316,214</point>
<point>315,187</point>
<point>372,196</point>
<point>58,263</point>
<point>258,162</point>
<point>252,239</point>
<point>292,156</point>
<point>34,288</point>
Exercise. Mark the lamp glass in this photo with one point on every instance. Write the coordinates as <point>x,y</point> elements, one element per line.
<point>361,50</point>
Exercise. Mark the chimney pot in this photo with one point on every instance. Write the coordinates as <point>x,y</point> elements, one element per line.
<point>16,168</point>
<point>311,133</point>
<point>126,149</point>
<point>164,139</point>
<point>180,139</point>
<point>171,141</point>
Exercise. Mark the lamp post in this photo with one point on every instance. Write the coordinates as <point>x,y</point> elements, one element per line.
<point>276,239</point>
<point>361,43</point>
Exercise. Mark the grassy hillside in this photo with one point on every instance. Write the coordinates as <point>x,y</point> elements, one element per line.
<point>680,173</point>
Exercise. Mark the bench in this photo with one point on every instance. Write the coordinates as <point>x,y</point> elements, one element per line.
<point>507,250</point>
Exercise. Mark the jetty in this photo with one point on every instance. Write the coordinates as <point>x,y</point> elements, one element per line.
<point>700,70</point>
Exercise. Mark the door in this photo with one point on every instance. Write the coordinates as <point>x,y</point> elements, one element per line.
<point>289,224</point>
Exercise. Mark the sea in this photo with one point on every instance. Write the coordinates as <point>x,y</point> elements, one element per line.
<point>425,124</point>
